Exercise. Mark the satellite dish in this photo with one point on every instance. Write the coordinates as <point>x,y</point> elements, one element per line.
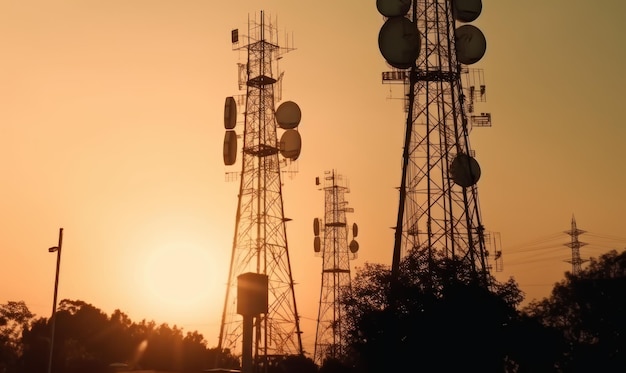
<point>230,113</point>
<point>393,8</point>
<point>290,144</point>
<point>355,230</point>
<point>316,226</point>
<point>399,42</point>
<point>230,147</point>
<point>288,115</point>
<point>464,170</point>
<point>466,10</point>
<point>470,44</point>
<point>354,246</point>
<point>317,244</point>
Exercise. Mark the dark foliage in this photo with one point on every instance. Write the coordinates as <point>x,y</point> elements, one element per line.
<point>14,319</point>
<point>87,340</point>
<point>589,309</point>
<point>438,322</point>
<point>294,364</point>
<point>336,366</point>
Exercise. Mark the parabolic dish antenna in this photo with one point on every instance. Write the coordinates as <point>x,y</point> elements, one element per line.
<point>354,246</point>
<point>464,170</point>
<point>399,42</point>
<point>317,244</point>
<point>355,230</point>
<point>470,44</point>
<point>290,144</point>
<point>393,8</point>
<point>230,147</point>
<point>230,113</point>
<point>466,10</point>
<point>316,226</point>
<point>288,115</point>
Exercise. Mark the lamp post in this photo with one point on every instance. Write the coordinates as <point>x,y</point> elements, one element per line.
<point>56,287</point>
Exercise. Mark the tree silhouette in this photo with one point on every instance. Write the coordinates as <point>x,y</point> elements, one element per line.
<point>439,322</point>
<point>87,340</point>
<point>589,309</point>
<point>36,345</point>
<point>294,364</point>
<point>15,317</point>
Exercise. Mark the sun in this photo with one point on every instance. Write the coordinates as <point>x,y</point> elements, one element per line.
<point>179,276</point>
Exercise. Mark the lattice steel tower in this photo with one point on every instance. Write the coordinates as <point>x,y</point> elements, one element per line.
<point>260,239</point>
<point>575,245</point>
<point>430,47</point>
<point>336,254</point>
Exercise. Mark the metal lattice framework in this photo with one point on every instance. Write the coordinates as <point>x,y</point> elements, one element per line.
<point>336,255</point>
<point>435,212</point>
<point>575,245</point>
<point>260,239</point>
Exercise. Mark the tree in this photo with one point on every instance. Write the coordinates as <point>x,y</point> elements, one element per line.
<point>589,310</point>
<point>15,317</point>
<point>294,364</point>
<point>36,344</point>
<point>87,340</point>
<point>438,322</point>
<point>82,336</point>
<point>332,365</point>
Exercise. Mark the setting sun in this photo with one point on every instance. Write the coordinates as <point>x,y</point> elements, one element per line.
<point>113,128</point>
<point>176,276</point>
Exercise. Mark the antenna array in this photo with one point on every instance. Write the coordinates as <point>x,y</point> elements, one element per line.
<point>336,254</point>
<point>430,43</point>
<point>260,239</point>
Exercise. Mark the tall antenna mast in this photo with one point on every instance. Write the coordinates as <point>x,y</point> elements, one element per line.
<point>260,239</point>
<point>438,208</point>
<point>336,254</point>
<point>575,245</point>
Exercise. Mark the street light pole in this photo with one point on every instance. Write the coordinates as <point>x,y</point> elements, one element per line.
<point>56,287</point>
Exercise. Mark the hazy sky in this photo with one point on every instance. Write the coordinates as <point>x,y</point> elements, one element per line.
<point>111,117</point>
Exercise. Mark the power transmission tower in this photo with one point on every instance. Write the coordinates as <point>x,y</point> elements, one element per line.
<point>430,43</point>
<point>336,254</point>
<point>260,239</point>
<point>575,245</point>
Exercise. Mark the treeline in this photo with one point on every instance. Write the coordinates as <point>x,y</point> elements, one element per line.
<point>436,318</point>
<point>88,340</point>
<point>442,321</point>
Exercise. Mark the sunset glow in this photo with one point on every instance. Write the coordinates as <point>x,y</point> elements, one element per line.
<point>112,127</point>
<point>176,276</point>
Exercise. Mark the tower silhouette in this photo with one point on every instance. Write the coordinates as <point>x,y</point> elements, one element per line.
<point>430,44</point>
<point>575,245</point>
<point>336,253</point>
<point>260,238</point>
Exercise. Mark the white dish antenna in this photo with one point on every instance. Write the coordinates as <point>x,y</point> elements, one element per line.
<point>393,8</point>
<point>399,42</point>
<point>464,170</point>
<point>290,144</point>
<point>470,44</point>
<point>230,147</point>
<point>288,115</point>
<point>230,113</point>
<point>466,10</point>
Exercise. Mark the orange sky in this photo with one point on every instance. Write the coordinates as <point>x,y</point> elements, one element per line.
<point>111,118</point>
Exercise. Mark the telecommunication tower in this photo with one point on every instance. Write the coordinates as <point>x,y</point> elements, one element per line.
<point>430,44</point>
<point>575,245</point>
<point>336,254</point>
<point>260,239</point>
